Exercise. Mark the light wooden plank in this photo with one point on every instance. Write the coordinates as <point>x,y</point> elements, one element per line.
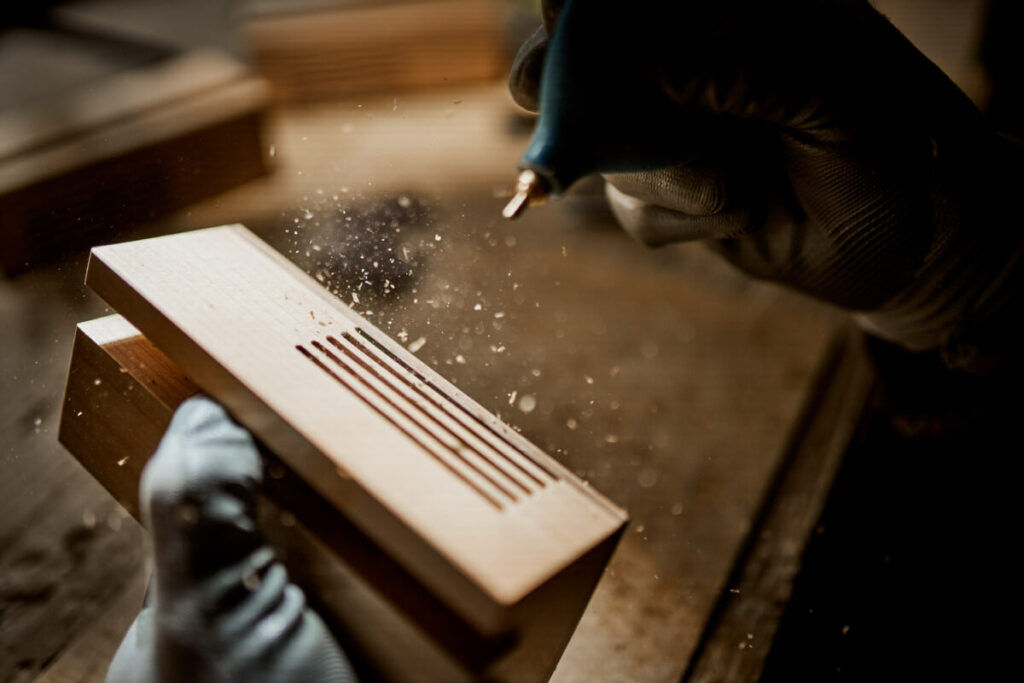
<point>254,332</point>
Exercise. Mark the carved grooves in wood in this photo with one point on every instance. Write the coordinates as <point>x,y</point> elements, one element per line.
<point>516,456</point>
<point>470,452</point>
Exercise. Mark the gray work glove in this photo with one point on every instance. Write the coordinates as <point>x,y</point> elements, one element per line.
<point>827,154</point>
<point>222,608</point>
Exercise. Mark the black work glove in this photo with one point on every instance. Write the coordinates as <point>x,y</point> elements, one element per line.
<point>223,609</point>
<point>827,154</point>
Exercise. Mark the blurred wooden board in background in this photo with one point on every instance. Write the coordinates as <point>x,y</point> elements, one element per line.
<point>114,151</point>
<point>323,50</point>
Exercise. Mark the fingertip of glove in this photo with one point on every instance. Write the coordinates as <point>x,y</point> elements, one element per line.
<point>202,421</point>
<point>198,412</point>
<point>202,447</point>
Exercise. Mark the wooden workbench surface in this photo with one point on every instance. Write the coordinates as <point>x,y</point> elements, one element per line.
<point>663,377</point>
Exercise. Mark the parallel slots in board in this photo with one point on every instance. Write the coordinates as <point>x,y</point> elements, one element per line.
<point>490,445</point>
<point>535,470</point>
<point>409,428</point>
<point>474,451</point>
<point>415,413</point>
<point>438,421</point>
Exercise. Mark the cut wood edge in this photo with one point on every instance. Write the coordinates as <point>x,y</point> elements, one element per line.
<point>110,361</point>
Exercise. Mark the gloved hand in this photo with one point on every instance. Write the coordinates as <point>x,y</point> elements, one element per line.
<point>827,154</point>
<point>223,609</point>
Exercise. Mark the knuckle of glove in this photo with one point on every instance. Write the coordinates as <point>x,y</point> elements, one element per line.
<point>655,225</point>
<point>687,189</point>
<point>649,224</point>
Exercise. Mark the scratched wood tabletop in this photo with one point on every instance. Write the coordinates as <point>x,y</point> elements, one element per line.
<point>662,377</point>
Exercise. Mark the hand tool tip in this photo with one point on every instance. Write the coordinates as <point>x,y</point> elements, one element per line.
<point>530,189</point>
